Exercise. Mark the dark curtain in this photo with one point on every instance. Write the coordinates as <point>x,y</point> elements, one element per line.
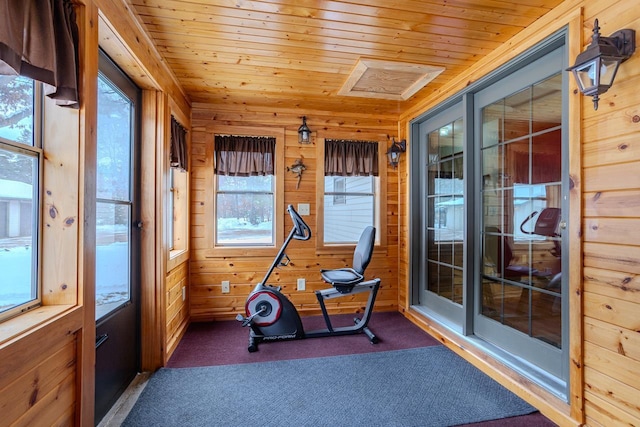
<point>350,158</point>
<point>178,145</point>
<point>244,155</point>
<point>39,40</point>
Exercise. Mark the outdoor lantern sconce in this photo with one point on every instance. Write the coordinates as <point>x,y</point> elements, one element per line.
<point>304,133</point>
<point>394,152</point>
<point>596,67</point>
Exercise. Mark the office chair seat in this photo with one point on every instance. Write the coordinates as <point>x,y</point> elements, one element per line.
<point>344,279</point>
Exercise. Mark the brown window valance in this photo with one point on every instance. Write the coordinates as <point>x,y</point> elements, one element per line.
<point>350,158</point>
<point>178,145</point>
<point>244,155</point>
<point>39,40</point>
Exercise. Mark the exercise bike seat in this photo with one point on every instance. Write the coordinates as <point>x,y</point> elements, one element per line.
<point>344,279</point>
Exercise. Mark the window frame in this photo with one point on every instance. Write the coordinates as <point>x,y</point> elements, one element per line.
<point>35,151</point>
<point>380,191</point>
<point>211,183</point>
<point>177,194</point>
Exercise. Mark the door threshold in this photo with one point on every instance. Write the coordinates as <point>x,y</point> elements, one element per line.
<point>119,411</point>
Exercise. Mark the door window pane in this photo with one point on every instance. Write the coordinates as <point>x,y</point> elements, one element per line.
<point>517,115</point>
<point>546,104</point>
<point>112,256</point>
<point>114,143</point>
<point>114,198</point>
<point>445,204</point>
<point>521,196</point>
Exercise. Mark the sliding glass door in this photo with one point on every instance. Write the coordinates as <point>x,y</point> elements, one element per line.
<point>488,210</point>
<point>518,125</point>
<point>443,219</point>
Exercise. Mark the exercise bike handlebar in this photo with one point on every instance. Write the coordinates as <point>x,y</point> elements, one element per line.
<point>302,230</point>
<point>526,220</point>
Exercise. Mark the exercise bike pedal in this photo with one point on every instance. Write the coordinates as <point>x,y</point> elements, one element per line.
<point>246,321</point>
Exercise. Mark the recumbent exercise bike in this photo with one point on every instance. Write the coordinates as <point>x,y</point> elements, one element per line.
<point>272,317</point>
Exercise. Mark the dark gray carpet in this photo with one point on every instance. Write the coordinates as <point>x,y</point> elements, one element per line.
<point>428,386</point>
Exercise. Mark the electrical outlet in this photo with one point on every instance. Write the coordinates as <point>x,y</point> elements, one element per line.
<point>302,284</point>
<point>303,209</point>
<point>184,293</point>
<point>225,287</point>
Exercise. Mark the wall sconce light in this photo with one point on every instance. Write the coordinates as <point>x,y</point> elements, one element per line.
<point>304,133</point>
<point>596,67</point>
<point>394,152</point>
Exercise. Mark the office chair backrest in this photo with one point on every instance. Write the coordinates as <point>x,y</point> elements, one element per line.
<point>364,249</point>
<point>547,222</point>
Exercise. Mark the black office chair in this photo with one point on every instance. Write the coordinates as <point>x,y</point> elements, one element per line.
<point>344,279</point>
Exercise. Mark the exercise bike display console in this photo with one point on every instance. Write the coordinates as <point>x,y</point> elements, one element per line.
<point>272,317</point>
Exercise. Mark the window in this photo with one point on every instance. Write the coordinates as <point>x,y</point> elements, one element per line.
<point>351,190</point>
<point>177,234</point>
<point>349,210</point>
<point>20,165</point>
<point>244,190</point>
<point>178,212</point>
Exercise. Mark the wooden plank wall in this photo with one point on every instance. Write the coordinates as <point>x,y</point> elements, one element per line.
<point>43,353</point>
<point>608,290</point>
<point>47,356</point>
<point>176,301</point>
<point>38,388</point>
<point>207,272</point>
<point>177,318</point>
<point>611,161</point>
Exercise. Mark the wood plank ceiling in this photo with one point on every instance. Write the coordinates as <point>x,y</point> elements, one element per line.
<point>299,53</point>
